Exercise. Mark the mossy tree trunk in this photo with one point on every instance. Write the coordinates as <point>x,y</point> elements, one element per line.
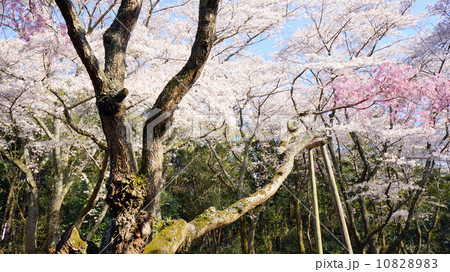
<point>130,225</point>
<point>124,200</point>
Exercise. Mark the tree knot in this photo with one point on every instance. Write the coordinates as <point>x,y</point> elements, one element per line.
<point>110,104</point>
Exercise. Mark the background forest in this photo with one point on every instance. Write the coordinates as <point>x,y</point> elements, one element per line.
<point>369,77</point>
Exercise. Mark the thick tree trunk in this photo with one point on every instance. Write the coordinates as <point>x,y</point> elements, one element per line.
<point>154,172</point>
<point>32,218</point>
<point>130,197</point>
<point>125,191</point>
<point>159,186</point>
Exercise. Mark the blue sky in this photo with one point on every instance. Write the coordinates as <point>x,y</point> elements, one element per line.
<point>421,5</point>
<point>267,46</point>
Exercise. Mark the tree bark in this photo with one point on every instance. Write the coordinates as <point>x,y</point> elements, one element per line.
<point>252,232</point>
<point>32,218</point>
<point>243,233</point>
<point>53,213</point>
<point>71,243</point>
<point>158,123</point>
<point>124,198</point>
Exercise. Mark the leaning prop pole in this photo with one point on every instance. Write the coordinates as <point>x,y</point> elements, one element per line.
<point>336,198</point>
<point>315,202</point>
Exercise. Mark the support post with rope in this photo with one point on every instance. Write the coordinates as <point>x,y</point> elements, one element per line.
<point>334,193</point>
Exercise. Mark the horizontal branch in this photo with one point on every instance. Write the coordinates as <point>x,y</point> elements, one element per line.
<point>170,239</point>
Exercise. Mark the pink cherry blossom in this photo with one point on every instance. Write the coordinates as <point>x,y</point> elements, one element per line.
<point>409,97</point>
<point>26,18</point>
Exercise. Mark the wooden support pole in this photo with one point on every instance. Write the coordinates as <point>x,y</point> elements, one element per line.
<point>337,200</point>
<point>315,203</point>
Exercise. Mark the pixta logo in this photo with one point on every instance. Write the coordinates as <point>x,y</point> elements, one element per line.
<point>153,118</point>
<point>157,117</point>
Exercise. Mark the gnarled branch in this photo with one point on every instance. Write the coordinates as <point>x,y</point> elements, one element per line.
<point>180,232</point>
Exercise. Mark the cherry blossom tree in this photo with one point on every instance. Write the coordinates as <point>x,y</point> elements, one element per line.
<point>32,115</point>
<point>25,18</point>
<point>162,73</point>
<point>429,49</point>
<point>38,71</point>
<point>405,116</point>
